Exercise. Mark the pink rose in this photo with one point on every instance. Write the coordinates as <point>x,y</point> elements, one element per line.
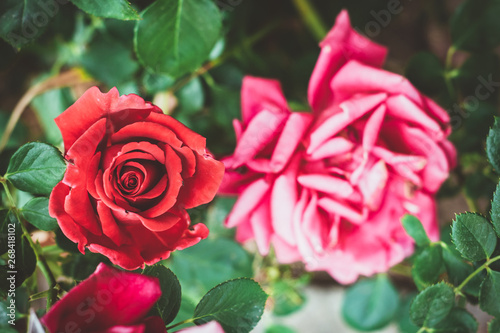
<point>109,301</point>
<point>211,327</point>
<point>329,188</point>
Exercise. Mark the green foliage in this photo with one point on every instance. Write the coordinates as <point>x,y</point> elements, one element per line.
<point>473,236</point>
<point>490,293</point>
<point>175,36</point>
<point>493,145</point>
<point>169,303</point>
<point>36,212</point>
<point>415,229</point>
<point>426,72</point>
<point>279,329</point>
<point>458,321</point>
<point>475,26</point>
<point>36,168</point>
<point>370,304</point>
<point>494,326</point>
<point>236,304</point>
<point>427,266</point>
<point>118,9</point>
<point>432,305</point>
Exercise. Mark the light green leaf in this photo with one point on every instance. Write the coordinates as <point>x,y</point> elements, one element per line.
<point>117,9</point>
<point>415,229</point>
<point>432,305</point>
<point>493,145</point>
<point>370,304</point>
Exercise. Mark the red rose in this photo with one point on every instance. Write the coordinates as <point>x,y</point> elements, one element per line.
<point>132,173</point>
<point>109,301</point>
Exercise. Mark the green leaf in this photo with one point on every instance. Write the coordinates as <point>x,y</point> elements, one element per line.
<point>475,26</point>
<point>23,21</point>
<point>286,298</point>
<point>474,237</point>
<point>427,266</point>
<point>36,212</point>
<point>279,329</point>
<point>65,243</point>
<point>81,266</point>
<point>426,72</point>
<point>176,36</point>
<point>169,303</point>
<point>110,60</point>
<point>5,219</point>
<point>403,317</point>
<point>237,305</point>
<point>191,97</point>
<point>415,229</point>
<point>207,263</point>
<point>494,326</point>
<point>25,260</point>
<point>432,305</point>
<point>36,168</point>
<point>493,145</point>
<point>457,269</point>
<point>458,321</point>
<point>490,293</point>
<point>370,304</point>
<point>117,9</point>
<point>495,210</point>
<point>18,136</point>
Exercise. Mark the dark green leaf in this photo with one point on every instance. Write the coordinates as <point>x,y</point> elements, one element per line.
<point>36,212</point>
<point>36,168</point>
<point>18,136</point>
<point>490,293</point>
<point>23,21</point>
<point>65,243</point>
<point>432,305</point>
<point>154,83</point>
<point>4,230</point>
<point>473,236</point>
<point>426,72</point>
<point>370,304</point>
<point>118,9</point>
<point>495,210</point>
<point>236,304</point>
<point>80,267</point>
<point>458,321</point>
<point>169,303</point>
<point>176,36</point>
<point>457,269</point>
<point>494,326</point>
<point>25,260</point>
<point>427,266</point>
<point>415,229</point>
<point>475,26</point>
<point>493,145</point>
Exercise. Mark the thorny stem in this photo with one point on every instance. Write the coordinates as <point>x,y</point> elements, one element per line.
<point>41,262</point>
<point>311,18</point>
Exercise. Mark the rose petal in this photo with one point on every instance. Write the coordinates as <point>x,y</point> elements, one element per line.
<point>94,105</point>
<point>110,227</point>
<point>246,203</point>
<point>260,222</point>
<point>259,94</point>
<point>145,130</point>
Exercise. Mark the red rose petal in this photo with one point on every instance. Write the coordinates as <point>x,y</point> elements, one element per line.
<point>68,226</point>
<point>144,130</point>
<point>202,187</point>
<point>110,227</point>
<point>186,135</point>
<point>92,174</point>
<point>160,223</point>
<point>188,158</point>
<point>107,298</point>
<point>174,169</point>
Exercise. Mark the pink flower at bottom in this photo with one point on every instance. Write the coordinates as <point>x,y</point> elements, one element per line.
<point>109,301</point>
<point>329,188</point>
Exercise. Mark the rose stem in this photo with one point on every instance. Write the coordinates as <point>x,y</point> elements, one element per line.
<point>311,18</point>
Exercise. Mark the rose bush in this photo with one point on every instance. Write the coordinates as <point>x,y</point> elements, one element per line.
<point>329,187</point>
<point>132,173</point>
<point>109,301</point>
